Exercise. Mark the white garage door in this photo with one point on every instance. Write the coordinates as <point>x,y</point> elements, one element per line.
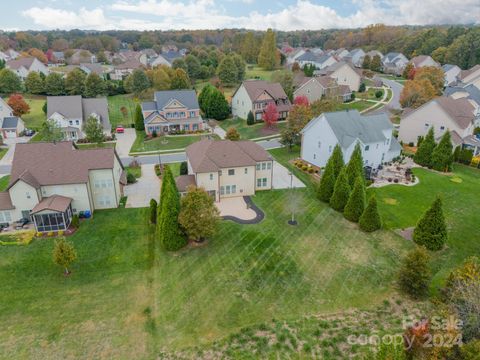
<point>10,133</point>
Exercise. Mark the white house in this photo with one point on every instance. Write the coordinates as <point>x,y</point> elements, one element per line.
<point>72,112</point>
<point>51,182</point>
<point>451,73</point>
<point>24,66</point>
<point>373,132</point>
<point>356,57</point>
<point>320,61</point>
<point>394,63</point>
<point>343,73</point>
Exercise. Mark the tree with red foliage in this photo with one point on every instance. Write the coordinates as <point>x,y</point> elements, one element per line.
<point>18,105</point>
<point>270,116</point>
<point>301,100</point>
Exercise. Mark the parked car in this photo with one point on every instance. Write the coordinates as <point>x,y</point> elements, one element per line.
<point>29,132</point>
<point>120,129</point>
<point>21,223</point>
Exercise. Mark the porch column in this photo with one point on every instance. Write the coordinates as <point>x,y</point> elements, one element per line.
<point>64,223</point>
<point>35,221</point>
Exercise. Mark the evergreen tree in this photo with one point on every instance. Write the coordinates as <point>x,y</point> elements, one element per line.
<point>139,123</point>
<point>203,98</point>
<point>227,71</point>
<point>94,130</point>
<point>54,84</point>
<point>341,192</point>
<point>34,84</point>
<point>366,62</point>
<point>376,63</point>
<point>169,232</point>
<point>370,219</point>
<point>355,166</point>
<point>423,156</point>
<point>75,82</point>
<point>218,108</point>
<point>329,174</point>
<point>250,118</point>
<point>249,50</point>
<point>267,58</point>
<point>431,229</point>
<point>153,211</point>
<point>442,156</point>
<point>415,276</point>
<point>95,85</point>
<point>356,202</point>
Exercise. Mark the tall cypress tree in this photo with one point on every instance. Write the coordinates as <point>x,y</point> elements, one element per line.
<point>341,191</point>
<point>442,157</point>
<point>370,219</point>
<point>356,202</point>
<point>431,229</point>
<point>355,166</point>
<point>330,173</point>
<point>267,58</point>
<point>423,156</point>
<point>139,123</point>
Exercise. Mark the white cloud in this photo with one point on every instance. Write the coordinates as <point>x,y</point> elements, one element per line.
<point>304,14</point>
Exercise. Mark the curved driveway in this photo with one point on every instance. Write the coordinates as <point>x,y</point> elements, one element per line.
<point>396,90</point>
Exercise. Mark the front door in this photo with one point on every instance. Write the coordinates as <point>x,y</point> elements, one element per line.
<point>26,214</point>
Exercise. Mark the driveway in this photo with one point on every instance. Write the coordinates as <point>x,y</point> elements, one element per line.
<point>146,188</point>
<point>396,90</point>
<point>282,178</point>
<point>125,142</point>
<point>11,142</point>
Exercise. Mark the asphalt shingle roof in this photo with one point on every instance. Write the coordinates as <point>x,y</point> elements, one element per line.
<point>10,122</point>
<point>186,97</point>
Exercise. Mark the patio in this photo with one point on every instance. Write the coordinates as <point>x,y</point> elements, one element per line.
<point>395,173</point>
<point>236,208</point>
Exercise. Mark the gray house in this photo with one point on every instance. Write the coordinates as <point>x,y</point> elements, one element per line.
<point>394,63</point>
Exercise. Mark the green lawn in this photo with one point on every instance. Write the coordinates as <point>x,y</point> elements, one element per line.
<point>36,117</point>
<point>3,151</point>
<point>4,180</point>
<point>461,205</point>
<point>96,146</point>
<point>256,72</point>
<point>251,131</point>
<point>115,103</point>
<point>173,142</point>
<point>355,105</point>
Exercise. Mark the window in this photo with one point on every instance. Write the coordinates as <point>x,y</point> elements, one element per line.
<point>264,182</point>
<point>314,156</point>
<point>231,172</point>
<point>246,170</point>
<point>319,144</point>
<point>222,190</point>
<point>367,147</point>
<point>195,126</point>
<point>211,176</point>
<point>187,127</point>
<point>264,166</point>
<point>77,122</point>
<point>28,195</point>
<point>426,125</point>
<point>227,189</point>
<point>269,165</point>
<point>192,113</point>
<point>377,146</point>
<point>258,166</point>
<point>234,189</point>
<point>330,148</point>
<point>259,182</point>
<point>220,173</point>
<point>5,216</point>
<point>442,127</point>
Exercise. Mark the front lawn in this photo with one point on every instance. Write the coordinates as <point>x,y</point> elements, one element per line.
<point>251,131</point>
<point>355,105</point>
<point>4,180</point>
<point>115,104</point>
<point>174,142</point>
<point>3,151</point>
<point>256,72</point>
<point>96,146</point>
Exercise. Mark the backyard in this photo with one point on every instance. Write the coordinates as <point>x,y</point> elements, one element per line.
<point>166,143</point>
<point>115,104</point>
<point>251,131</point>
<point>35,118</point>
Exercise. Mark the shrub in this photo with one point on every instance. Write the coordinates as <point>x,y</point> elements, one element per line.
<point>310,170</point>
<point>378,94</point>
<point>370,219</point>
<point>75,221</point>
<point>60,232</point>
<point>131,178</point>
<point>431,229</point>
<point>184,168</point>
<point>362,88</point>
<point>153,211</point>
<point>39,234</point>
<point>414,276</point>
<point>50,233</point>
<point>250,118</point>
<point>154,133</point>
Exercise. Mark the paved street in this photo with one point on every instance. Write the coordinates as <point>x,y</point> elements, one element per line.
<point>396,90</point>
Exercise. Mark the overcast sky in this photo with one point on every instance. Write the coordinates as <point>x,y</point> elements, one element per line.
<point>213,14</point>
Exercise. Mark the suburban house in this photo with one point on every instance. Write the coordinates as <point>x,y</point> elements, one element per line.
<point>24,66</point>
<point>125,55</point>
<point>443,114</point>
<point>10,126</point>
<point>95,68</point>
<point>166,58</point>
<point>294,55</point>
<point>9,54</point>
<point>356,57</point>
<point>342,53</point>
<point>394,63</point>
<point>51,182</point>
<point>121,71</point>
<point>314,88</point>
<point>373,53</point>
<point>71,114</point>
<point>422,61</point>
<point>59,57</point>
<point>343,73</point>
<point>451,73</point>
<point>227,168</point>
<point>470,92</point>
<point>172,111</point>
<point>78,56</point>
<point>470,76</point>
<point>256,95</point>
<point>347,128</point>
<point>320,61</point>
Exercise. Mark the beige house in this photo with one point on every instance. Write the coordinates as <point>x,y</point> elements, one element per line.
<point>343,73</point>
<point>443,114</point>
<point>24,66</point>
<point>50,182</point>
<point>470,76</point>
<point>422,61</point>
<point>256,95</point>
<point>227,168</point>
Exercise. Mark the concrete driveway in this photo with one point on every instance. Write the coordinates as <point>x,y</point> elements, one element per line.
<point>125,142</point>
<point>11,142</point>
<point>282,178</point>
<point>146,188</point>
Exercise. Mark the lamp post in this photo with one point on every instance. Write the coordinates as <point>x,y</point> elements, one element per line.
<point>292,221</point>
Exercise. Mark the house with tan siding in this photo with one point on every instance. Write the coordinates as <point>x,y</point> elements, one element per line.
<point>227,168</point>
<point>470,76</point>
<point>51,182</point>
<point>422,61</point>
<point>24,66</point>
<point>343,73</point>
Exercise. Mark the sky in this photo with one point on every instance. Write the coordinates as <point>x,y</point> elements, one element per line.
<point>216,14</point>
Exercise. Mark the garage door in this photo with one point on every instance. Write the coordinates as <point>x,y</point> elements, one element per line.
<point>10,133</point>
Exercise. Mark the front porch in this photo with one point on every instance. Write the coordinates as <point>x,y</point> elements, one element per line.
<point>53,213</point>
<point>161,129</point>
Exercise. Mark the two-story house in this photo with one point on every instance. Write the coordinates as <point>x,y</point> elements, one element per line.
<point>71,114</point>
<point>444,113</point>
<point>347,128</point>
<point>227,168</point>
<point>172,111</point>
<point>24,66</point>
<point>50,182</point>
<point>256,95</point>
<point>423,61</point>
<point>451,72</point>
<point>394,63</point>
<point>343,73</point>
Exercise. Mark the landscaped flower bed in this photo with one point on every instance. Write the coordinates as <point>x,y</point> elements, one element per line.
<point>306,167</point>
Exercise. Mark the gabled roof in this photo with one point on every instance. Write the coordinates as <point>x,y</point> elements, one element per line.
<point>129,64</point>
<point>94,68</point>
<point>417,60</point>
<point>256,87</point>
<point>16,64</point>
<point>98,106</point>
<point>214,155</point>
<point>348,126</point>
<point>57,203</point>
<point>448,67</point>
<point>186,97</point>
<point>41,164</point>
<point>6,201</point>
<point>464,73</point>
<point>68,106</point>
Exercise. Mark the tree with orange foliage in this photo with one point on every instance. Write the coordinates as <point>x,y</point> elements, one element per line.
<point>433,74</point>
<point>301,100</point>
<point>416,93</point>
<point>18,105</point>
<point>270,116</point>
<point>39,54</point>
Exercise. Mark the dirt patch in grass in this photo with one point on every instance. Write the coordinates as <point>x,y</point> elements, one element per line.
<point>456,179</point>
<point>268,131</point>
<point>390,201</point>
<point>407,233</point>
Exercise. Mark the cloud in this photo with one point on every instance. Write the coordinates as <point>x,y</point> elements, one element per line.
<point>210,14</point>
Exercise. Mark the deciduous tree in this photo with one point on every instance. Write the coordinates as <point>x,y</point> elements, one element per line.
<point>434,75</point>
<point>94,130</point>
<point>180,80</point>
<point>137,82</point>
<point>270,116</point>
<point>301,100</point>
<point>34,84</point>
<point>64,254</point>
<point>431,229</point>
<point>268,57</point>
<point>9,82</point>
<point>416,93</point>
<point>18,105</point>
<point>94,85</point>
<point>54,84</point>
<point>227,71</point>
<point>51,131</point>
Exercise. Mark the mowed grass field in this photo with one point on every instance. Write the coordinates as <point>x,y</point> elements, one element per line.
<point>36,117</point>
<point>251,131</point>
<point>172,142</point>
<point>115,104</point>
